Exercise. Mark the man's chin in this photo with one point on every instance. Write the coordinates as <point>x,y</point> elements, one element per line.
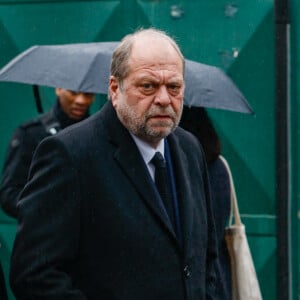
<point>161,126</point>
<point>160,132</point>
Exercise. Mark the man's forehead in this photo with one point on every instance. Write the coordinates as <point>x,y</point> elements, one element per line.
<point>153,63</point>
<point>157,74</point>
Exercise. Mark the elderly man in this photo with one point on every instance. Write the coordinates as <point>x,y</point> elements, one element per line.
<point>94,221</point>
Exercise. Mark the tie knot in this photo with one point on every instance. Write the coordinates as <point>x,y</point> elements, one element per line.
<point>158,160</point>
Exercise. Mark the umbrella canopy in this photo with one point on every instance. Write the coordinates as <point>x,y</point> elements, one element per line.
<point>77,67</point>
<point>85,67</point>
<point>209,86</point>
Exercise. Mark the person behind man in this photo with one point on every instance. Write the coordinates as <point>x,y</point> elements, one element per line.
<point>70,107</point>
<point>92,224</point>
<point>197,121</point>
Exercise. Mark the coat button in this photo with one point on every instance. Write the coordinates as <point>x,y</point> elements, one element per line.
<point>187,271</point>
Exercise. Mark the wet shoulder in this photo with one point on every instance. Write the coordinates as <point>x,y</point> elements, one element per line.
<point>33,123</point>
<point>31,130</point>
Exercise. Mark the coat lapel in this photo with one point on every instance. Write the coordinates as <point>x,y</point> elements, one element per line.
<point>132,164</point>
<point>183,188</point>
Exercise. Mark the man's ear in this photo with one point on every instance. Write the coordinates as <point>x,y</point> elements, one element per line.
<point>113,90</point>
<point>57,91</point>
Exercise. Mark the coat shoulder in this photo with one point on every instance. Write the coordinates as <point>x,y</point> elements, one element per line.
<point>29,131</point>
<point>187,140</point>
<point>31,124</point>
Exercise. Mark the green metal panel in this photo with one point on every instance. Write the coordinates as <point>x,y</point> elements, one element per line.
<point>237,36</point>
<point>7,233</point>
<point>295,145</point>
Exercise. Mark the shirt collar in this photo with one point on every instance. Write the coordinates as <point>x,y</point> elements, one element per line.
<point>146,150</point>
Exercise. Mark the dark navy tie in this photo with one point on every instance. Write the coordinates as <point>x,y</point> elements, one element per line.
<point>163,184</point>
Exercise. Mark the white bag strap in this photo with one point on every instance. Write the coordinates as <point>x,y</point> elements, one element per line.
<point>234,211</point>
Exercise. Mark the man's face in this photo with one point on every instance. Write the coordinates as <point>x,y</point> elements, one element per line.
<point>149,100</point>
<point>75,105</point>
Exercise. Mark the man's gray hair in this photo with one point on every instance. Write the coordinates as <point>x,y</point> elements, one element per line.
<point>119,66</point>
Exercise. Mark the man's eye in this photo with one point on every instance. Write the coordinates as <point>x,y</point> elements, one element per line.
<point>147,86</point>
<point>174,88</point>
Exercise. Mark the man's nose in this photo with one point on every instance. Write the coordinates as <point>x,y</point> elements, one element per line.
<point>82,98</point>
<point>162,96</point>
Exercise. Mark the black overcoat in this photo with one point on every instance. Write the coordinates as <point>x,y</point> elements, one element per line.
<point>20,150</point>
<point>91,226</point>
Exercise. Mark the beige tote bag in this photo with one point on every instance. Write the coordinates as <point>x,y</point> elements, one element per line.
<point>245,285</point>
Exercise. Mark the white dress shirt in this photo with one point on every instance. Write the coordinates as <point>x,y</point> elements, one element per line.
<point>148,152</point>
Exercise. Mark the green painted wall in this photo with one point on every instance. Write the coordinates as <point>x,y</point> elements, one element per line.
<point>295,145</point>
<point>237,36</point>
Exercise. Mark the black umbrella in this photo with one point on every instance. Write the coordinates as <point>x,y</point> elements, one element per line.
<point>77,67</point>
<point>209,86</point>
<point>85,67</point>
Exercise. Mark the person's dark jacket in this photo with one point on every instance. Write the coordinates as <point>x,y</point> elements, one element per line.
<point>197,121</point>
<point>20,151</point>
<point>220,195</point>
<point>91,225</point>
